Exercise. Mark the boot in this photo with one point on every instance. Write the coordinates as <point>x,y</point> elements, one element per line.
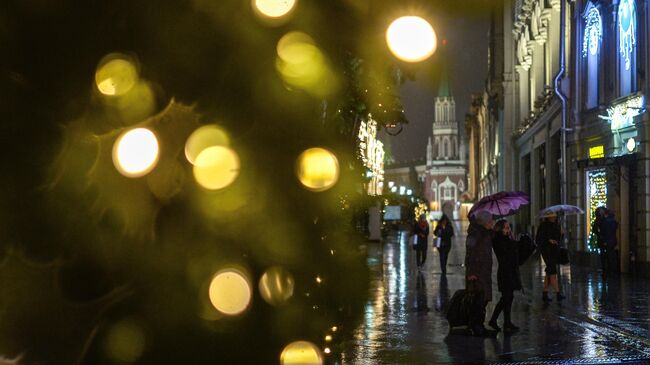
<point>493,323</point>
<point>545,297</point>
<point>559,296</point>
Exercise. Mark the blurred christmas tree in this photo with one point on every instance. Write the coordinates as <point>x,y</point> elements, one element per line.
<point>103,266</point>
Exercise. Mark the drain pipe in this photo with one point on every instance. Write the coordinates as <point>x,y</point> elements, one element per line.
<point>563,99</point>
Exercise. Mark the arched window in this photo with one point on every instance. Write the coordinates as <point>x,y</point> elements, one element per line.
<point>627,41</point>
<point>591,49</point>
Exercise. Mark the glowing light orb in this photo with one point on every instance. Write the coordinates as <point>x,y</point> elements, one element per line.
<point>276,286</point>
<point>301,353</point>
<point>125,342</point>
<point>135,152</point>
<point>317,169</point>
<point>230,292</point>
<point>202,138</point>
<point>302,64</point>
<point>274,8</point>
<point>411,39</point>
<point>630,145</point>
<point>116,75</point>
<point>216,167</point>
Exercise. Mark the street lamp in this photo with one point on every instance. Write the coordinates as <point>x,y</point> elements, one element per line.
<point>411,39</point>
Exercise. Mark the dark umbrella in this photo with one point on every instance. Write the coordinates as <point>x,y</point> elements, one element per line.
<point>501,204</point>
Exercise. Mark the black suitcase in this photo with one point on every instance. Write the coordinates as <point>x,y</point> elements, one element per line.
<point>466,311</point>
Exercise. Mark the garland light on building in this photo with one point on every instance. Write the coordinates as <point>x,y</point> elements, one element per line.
<point>622,115</point>
<point>593,32</point>
<point>597,195</point>
<point>371,151</point>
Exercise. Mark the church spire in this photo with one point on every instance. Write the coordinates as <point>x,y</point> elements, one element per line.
<point>444,90</point>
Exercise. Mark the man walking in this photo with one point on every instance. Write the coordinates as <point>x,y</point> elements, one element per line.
<point>609,242</point>
<point>478,263</point>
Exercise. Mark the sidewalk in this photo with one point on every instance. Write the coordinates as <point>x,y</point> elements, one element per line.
<point>404,317</point>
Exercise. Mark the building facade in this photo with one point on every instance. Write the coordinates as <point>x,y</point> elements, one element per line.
<point>608,144</point>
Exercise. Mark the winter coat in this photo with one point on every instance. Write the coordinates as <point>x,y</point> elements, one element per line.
<point>445,235</point>
<point>421,236</point>
<point>609,227</point>
<point>478,257</point>
<point>510,255</point>
<point>549,231</point>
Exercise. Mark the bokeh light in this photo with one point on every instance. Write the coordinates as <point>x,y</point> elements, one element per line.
<point>301,353</point>
<point>317,169</point>
<point>276,286</point>
<point>116,75</point>
<point>216,167</point>
<point>273,8</point>
<point>135,152</point>
<point>202,138</point>
<point>125,341</point>
<point>411,39</point>
<point>303,65</point>
<point>230,292</point>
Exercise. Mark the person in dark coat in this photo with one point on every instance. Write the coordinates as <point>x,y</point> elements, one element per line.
<point>548,238</point>
<point>510,254</point>
<point>421,233</point>
<point>478,259</point>
<point>608,244</point>
<point>445,231</point>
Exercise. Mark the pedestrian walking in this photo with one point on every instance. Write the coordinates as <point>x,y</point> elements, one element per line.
<point>548,238</point>
<point>444,232</point>
<point>510,255</point>
<point>478,264</point>
<point>421,233</point>
<point>608,256</point>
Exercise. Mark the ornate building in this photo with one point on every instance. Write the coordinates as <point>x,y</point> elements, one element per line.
<point>446,172</point>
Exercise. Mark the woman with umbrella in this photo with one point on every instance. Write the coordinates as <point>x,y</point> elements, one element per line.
<point>549,236</point>
<point>510,254</point>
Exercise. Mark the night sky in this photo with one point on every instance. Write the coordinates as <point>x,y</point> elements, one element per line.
<point>466,57</point>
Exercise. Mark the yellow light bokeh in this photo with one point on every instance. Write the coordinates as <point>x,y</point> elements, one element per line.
<point>230,292</point>
<point>301,353</point>
<point>216,167</point>
<point>303,65</point>
<point>276,286</point>
<point>135,152</point>
<point>317,169</point>
<point>202,138</point>
<point>125,342</point>
<point>274,8</point>
<point>411,39</point>
<point>116,75</point>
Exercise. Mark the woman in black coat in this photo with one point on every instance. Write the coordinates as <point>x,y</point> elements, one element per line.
<point>510,254</point>
<point>549,236</point>
<point>445,231</point>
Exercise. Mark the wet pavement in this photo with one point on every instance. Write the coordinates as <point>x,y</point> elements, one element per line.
<point>404,323</point>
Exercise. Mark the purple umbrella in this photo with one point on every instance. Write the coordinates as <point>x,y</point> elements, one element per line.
<point>501,204</point>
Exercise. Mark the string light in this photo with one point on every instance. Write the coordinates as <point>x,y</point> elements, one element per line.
<point>597,194</point>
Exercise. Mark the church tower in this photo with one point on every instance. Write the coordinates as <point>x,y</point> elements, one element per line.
<point>446,177</point>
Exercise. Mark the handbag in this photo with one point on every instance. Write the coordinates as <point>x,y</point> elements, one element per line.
<point>564,256</point>
<point>438,242</point>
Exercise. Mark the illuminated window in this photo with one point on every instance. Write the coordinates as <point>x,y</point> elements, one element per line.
<point>596,197</point>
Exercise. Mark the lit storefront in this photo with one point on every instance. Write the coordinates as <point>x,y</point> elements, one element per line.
<point>610,131</point>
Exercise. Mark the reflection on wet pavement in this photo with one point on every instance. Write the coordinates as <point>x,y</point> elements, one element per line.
<point>404,318</point>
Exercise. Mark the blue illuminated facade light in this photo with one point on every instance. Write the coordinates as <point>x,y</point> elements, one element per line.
<point>593,32</point>
<point>627,25</point>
